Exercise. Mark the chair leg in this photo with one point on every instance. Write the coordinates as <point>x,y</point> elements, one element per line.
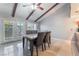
<point>42,48</point>
<point>37,51</point>
<point>23,42</point>
<point>48,44</point>
<point>45,46</point>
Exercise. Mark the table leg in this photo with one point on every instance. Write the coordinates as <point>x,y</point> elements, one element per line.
<point>23,42</point>
<point>31,47</point>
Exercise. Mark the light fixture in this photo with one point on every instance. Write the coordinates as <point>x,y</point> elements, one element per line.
<point>33,6</point>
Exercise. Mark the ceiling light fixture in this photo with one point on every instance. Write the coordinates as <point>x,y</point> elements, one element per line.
<point>33,6</point>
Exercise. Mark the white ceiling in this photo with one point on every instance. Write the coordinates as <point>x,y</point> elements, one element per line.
<point>39,12</point>
<point>6,9</point>
<point>23,12</point>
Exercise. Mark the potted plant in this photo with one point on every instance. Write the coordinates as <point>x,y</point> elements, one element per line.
<point>78,28</point>
<point>77,25</point>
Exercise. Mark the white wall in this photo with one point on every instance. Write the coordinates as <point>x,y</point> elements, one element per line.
<point>56,23</point>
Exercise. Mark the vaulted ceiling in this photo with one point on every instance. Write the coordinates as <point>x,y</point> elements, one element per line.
<point>25,11</point>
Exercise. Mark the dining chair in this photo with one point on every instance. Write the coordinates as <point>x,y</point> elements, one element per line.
<point>47,40</point>
<point>39,41</point>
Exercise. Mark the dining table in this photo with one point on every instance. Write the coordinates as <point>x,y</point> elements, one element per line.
<point>30,38</point>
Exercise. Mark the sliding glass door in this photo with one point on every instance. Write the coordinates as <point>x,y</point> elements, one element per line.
<point>13,30</point>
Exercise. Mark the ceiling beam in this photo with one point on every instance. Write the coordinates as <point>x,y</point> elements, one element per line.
<point>32,12</point>
<point>14,9</point>
<point>39,4</point>
<point>46,12</point>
